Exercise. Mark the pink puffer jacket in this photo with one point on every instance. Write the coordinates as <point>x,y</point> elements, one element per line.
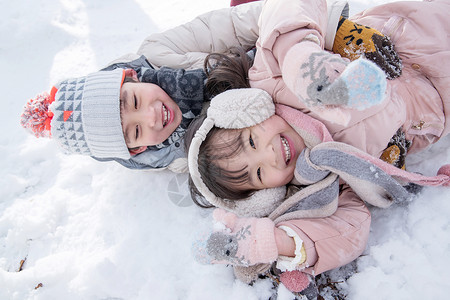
<point>336,240</point>
<point>418,101</point>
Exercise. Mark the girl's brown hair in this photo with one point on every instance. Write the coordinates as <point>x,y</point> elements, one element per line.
<point>220,181</point>
<point>223,72</point>
<point>226,72</point>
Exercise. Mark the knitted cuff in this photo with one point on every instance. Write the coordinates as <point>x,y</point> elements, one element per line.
<point>285,263</point>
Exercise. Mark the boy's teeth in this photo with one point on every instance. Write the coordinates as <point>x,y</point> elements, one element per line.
<point>287,149</point>
<point>166,115</point>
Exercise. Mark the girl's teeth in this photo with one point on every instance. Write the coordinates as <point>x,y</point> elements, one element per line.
<point>287,150</point>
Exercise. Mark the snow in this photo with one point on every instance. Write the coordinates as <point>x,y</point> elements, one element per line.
<point>91,230</point>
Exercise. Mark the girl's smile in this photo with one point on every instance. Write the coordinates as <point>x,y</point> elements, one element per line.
<point>289,149</point>
<point>269,154</point>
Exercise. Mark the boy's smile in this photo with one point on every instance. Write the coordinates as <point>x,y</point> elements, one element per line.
<point>270,151</point>
<point>149,116</point>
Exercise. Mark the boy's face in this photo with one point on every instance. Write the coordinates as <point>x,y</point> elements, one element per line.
<point>149,115</point>
<point>270,152</point>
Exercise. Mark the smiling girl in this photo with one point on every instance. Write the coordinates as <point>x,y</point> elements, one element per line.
<point>254,158</point>
<point>241,156</point>
<point>319,221</point>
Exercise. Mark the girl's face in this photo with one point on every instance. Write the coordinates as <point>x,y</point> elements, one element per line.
<point>149,115</point>
<point>269,154</point>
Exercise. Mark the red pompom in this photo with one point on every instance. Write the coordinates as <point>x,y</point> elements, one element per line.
<point>295,281</point>
<point>36,117</point>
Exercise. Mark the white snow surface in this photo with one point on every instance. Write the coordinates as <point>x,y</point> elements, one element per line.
<point>91,230</point>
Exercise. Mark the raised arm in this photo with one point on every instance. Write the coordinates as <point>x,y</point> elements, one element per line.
<point>290,57</point>
<point>187,45</point>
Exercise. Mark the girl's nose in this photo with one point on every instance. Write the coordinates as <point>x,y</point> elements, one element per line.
<point>269,156</point>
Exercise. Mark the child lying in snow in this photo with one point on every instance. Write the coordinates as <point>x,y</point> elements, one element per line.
<point>225,174</point>
<point>243,148</point>
<point>96,127</point>
<point>134,116</point>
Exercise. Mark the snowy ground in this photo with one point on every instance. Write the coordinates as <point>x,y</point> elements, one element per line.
<point>90,230</point>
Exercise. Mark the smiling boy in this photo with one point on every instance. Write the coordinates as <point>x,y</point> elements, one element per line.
<point>136,117</point>
<point>149,116</point>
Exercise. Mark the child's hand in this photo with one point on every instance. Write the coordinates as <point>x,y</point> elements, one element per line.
<point>239,241</point>
<point>353,41</point>
<point>328,84</point>
<point>365,84</point>
<point>360,85</point>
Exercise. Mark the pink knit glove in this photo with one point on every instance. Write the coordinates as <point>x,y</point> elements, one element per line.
<point>243,241</point>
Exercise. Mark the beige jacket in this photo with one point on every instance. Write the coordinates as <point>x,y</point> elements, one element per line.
<point>187,45</point>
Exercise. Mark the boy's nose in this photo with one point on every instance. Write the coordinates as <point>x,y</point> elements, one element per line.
<point>148,116</point>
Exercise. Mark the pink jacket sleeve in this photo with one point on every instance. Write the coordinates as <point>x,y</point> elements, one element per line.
<point>334,241</point>
<point>291,48</point>
<point>284,23</point>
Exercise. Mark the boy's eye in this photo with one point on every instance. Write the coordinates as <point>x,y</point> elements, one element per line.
<point>251,142</point>
<point>135,102</point>
<point>137,132</point>
<point>258,173</point>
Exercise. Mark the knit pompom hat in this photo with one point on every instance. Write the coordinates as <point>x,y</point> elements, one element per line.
<point>82,115</point>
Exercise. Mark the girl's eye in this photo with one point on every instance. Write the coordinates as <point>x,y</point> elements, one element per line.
<point>251,142</point>
<point>258,173</point>
<point>135,102</point>
<point>137,132</point>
